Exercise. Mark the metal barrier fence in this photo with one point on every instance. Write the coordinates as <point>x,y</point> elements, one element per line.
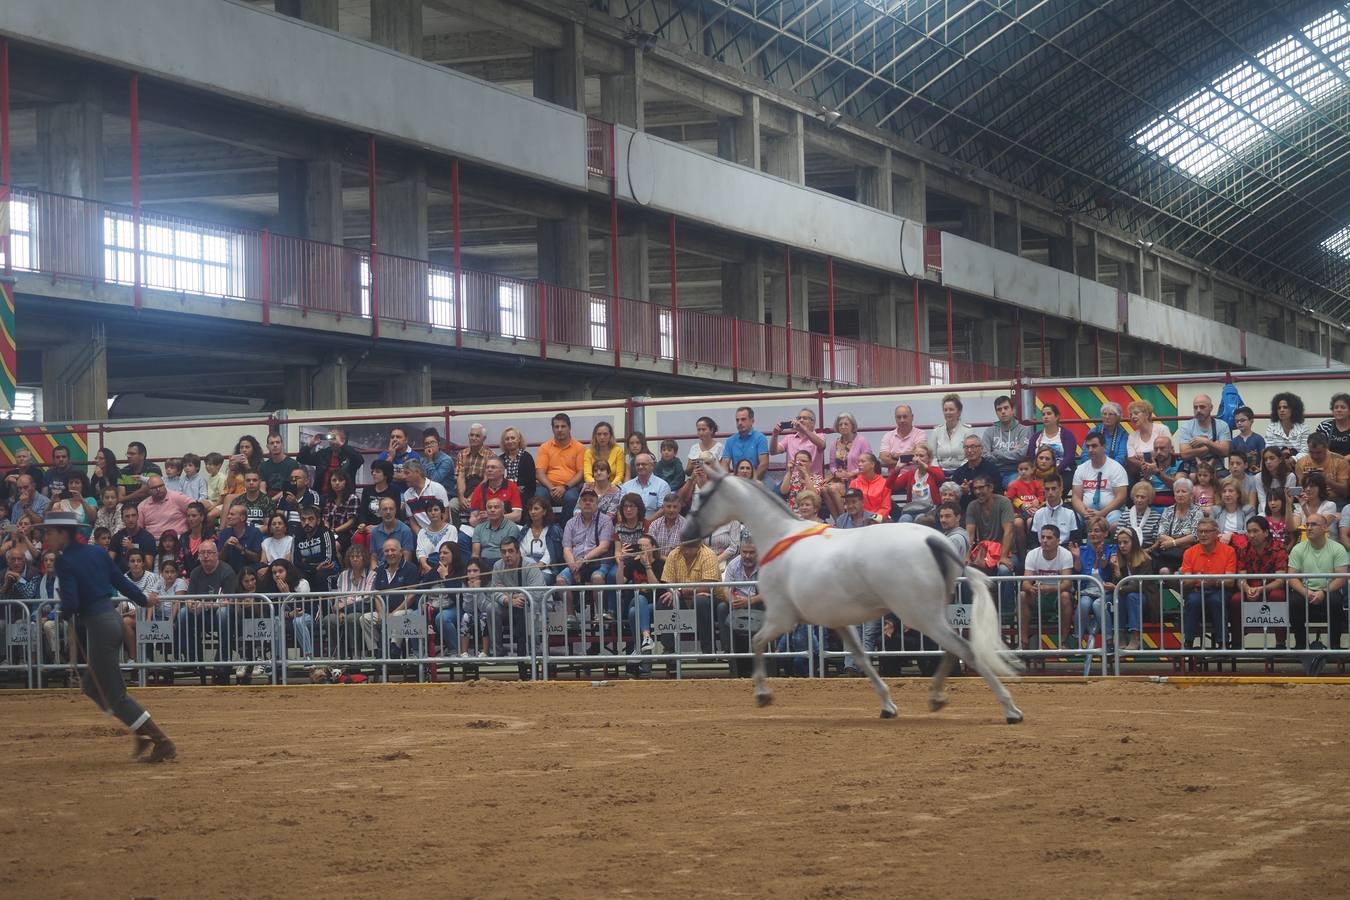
<point>1223,617</point>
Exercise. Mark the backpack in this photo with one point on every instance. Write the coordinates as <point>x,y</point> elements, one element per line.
<point>1229,401</point>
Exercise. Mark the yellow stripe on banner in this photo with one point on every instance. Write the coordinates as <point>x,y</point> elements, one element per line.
<point>1073,405</point>
<point>32,448</point>
<point>4,367</point>
<point>1169,395</point>
<point>80,441</point>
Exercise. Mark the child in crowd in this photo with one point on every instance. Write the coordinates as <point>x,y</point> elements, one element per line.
<point>1205,489</point>
<point>102,537</point>
<point>215,479</point>
<point>1249,485</point>
<point>1244,442</point>
<point>669,466</point>
<point>1026,492</point>
<point>109,514</point>
<point>1278,513</point>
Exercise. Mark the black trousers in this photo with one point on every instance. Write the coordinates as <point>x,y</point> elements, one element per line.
<point>1332,611</point>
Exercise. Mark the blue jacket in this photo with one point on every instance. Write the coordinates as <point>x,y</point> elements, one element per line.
<point>89,579</point>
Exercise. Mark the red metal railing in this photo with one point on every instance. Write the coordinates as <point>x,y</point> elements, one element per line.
<point>75,238</point>
<point>599,155</point>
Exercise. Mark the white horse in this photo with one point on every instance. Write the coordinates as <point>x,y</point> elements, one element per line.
<point>838,578</point>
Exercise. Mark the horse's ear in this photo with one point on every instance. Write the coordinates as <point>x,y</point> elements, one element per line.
<point>712,467</point>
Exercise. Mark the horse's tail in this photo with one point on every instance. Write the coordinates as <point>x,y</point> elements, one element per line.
<point>991,655</point>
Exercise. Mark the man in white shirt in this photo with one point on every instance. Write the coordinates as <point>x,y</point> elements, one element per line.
<point>421,491</point>
<point>1100,484</point>
<point>1056,512</point>
<point>651,488</point>
<point>1050,564</point>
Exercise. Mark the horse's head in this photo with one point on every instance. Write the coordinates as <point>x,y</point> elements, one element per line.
<point>714,503</point>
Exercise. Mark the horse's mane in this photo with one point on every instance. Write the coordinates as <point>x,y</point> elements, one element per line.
<point>771,494</point>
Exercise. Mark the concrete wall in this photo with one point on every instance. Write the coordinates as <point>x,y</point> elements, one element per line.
<point>669,177</point>
<point>283,63</point>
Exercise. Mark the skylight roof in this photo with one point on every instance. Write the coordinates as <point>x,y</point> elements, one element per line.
<point>1339,242</point>
<point>1219,121</point>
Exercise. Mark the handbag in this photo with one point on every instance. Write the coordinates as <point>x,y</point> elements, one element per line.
<point>986,555</point>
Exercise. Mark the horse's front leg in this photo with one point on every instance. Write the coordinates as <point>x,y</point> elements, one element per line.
<point>763,696</point>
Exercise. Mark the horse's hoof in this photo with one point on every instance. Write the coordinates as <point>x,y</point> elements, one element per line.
<point>764,699</point>
<point>1015,719</point>
<point>888,713</point>
<point>934,704</point>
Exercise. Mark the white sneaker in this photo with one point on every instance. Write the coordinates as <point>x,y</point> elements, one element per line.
<point>648,645</point>
<point>482,654</point>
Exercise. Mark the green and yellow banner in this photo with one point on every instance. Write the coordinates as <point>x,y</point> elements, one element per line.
<point>1085,402</point>
<point>9,356</point>
<point>41,440</point>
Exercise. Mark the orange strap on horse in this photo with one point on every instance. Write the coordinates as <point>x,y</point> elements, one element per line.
<point>781,546</point>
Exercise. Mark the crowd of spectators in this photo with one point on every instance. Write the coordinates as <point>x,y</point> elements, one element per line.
<point>602,521</point>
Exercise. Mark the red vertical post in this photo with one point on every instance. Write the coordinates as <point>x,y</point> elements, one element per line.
<point>674,300</point>
<point>951,352</point>
<point>829,301</point>
<point>134,105</point>
<point>918,342</point>
<point>373,265</point>
<point>4,112</point>
<point>735,349</point>
<point>458,260</point>
<point>787,292</point>
<point>265,268</point>
<point>543,320</point>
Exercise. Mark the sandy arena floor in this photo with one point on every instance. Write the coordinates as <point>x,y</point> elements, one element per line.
<point>682,789</point>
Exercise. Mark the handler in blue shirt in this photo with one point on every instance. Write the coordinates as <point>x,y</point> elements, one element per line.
<point>88,580</point>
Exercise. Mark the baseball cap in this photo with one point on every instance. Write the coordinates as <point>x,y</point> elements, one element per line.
<point>853,493</point>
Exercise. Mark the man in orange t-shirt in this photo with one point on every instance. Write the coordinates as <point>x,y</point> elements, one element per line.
<point>1206,557</point>
<point>560,467</point>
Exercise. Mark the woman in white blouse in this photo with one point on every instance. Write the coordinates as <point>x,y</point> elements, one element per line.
<point>1286,431</point>
<point>707,443</point>
<point>947,440</point>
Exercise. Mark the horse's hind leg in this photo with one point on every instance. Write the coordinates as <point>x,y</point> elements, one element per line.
<point>937,694</point>
<point>849,638</point>
<point>953,643</point>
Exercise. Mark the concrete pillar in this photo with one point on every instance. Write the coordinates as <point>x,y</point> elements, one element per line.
<point>775,298</point>
<point>75,376</point>
<point>296,392</point>
<point>70,146</point>
<point>309,199</point>
<point>984,338</point>
<point>564,253</point>
<point>318,12</point>
<point>875,184</point>
<point>978,223</point>
<point>560,75</point>
<point>1155,279</point>
<point>738,136</point>
<point>878,317</point>
<point>634,262</point>
<point>1008,231</point>
<point>411,388</point>
<point>743,288</point>
<point>397,24</point>
<point>911,197</point>
<point>1062,255</point>
<point>328,386</point>
<point>905,335</point>
<point>401,214</point>
<point>621,94</point>
<point>785,155</point>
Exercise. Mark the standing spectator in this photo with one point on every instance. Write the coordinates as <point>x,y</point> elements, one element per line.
<point>1205,438</point>
<point>1146,432</point>
<point>899,443</point>
<point>331,453</point>
<point>800,436</point>
<point>420,493</point>
<point>340,509</point>
<point>131,537</point>
<point>603,447</point>
<point>914,489</point>
<point>518,462</point>
<point>439,465</point>
<point>276,469</point>
<point>29,499</point>
<point>1333,467</point>
<point>1206,596</point>
<point>59,472</point>
<point>162,510</point>
<point>398,453</point>
<point>976,464</point>
<point>496,485</point>
<point>317,551</point>
<point>746,445</point>
<point>1176,531</point>
<point>1259,555</point>
<point>559,468</point>
<point>1244,440</point>
<point>1337,428</point>
<point>1099,484</point>
<point>1058,439</point>
<point>470,465</point>
<point>240,543</point>
<point>651,489</point>
<point>389,526</point>
<point>1113,434</point>
<point>948,440</point>
<point>489,533</point>
<point>668,467</point>
<point>1050,593</point>
<point>706,445</point>
<point>1287,432</point>
<point>1006,441</point>
<point>876,493</point>
<point>665,529</point>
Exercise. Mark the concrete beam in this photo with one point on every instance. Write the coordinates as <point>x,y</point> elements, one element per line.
<point>785,156</point>
<point>181,188</point>
<point>560,74</point>
<point>472,46</point>
<point>397,24</point>
<point>70,146</point>
<point>323,13</point>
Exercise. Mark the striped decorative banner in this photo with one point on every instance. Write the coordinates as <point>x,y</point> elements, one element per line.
<point>1085,402</point>
<point>41,440</point>
<point>9,356</point>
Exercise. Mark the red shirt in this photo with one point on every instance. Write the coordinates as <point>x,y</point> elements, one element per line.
<point>508,493</point>
<point>876,495</point>
<point>1195,561</point>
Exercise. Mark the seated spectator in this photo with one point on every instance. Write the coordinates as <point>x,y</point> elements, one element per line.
<point>1176,531</point>
<point>279,544</point>
<point>809,506</point>
<point>518,462</point>
<point>436,532</point>
<point>296,497</point>
<point>109,512</point>
<point>745,615</point>
<point>162,510</point>
<point>53,481</point>
<point>145,578</point>
<point>1231,514</point>
<point>1333,467</point>
<point>495,485</point>
<point>639,565</point>
<point>587,542</point>
<point>1100,485</point>
<point>1204,487</point>
<point>329,454</point>
<point>1144,439</point>
<point>707,444</point>
<point>854,514</point>
<point>341,509</point>
<point>1049,592</point>
<point>1114,435</point>
<point>1142,516</point>
<point>876,493</point>
<point>949,523</point>
<point>398,454</point>
<point>358,609</point>
<point>196,617</point>
<point>74,500</point>
<point>1336,429</point>
<point>105,474</point>
<point>1058,439</point>
<point>1258,555</point>
<point>915,488</point>
<point>420,492</point>
<point>897,445</point>
<point>317,551</point>
<point>1279,513</point>
<point>1205,438</point>
<point>947,440</point>
<point>800,436</point>
<point>389,526</point>
<point>1313,500</point>
<point>1095,557</point>
<point>1026,493</point>
<point>371,497</point>
<point>291,589</point>
<point>797,477</point>
<point>1205,598</point>
<point>746,445</point>
<point>691,563</point>
<point>240,544</point>
<point>444,607</point>
<point>540,538</point>
<point>24,465</point>
<point>976,464</point>
<point>1276,473</point>
<point>603,447</point>
<point>559,468</point>
<point>989,518</point>
<point>438,465</point>
<point>1006,441</point>
<point>668,467</point>
<point>1058,513</point>
<point>131,537</point>
<point>489,533</point>
<point>276,469</point>
<point>514,571</point>
<point>646,485</point>
<point>1311,597</point>
<point>196,533</point>
<point>138,469</point>
<point>257,505</point>
<point>606,490</point>
<point>396,575</point>
<point>185,477</point>
<point>1131,560</point>
<point>28,500</point>
<point>666,528</point>
<point>470,467</point>
<point>1287,433</point>
<point>478,616</point>
<point>1248,484</point>
<point>1244,441</point>
<point>215,483</point>
<point>631,522</point>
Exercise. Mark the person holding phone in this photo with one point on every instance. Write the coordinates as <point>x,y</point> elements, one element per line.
<point>797,435</point>
<point>329,452</point>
